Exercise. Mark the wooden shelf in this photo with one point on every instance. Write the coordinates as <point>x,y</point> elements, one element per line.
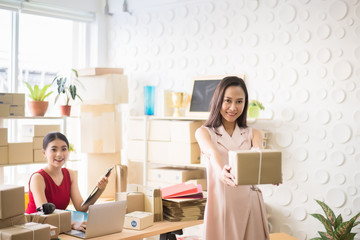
<point>178,165</point>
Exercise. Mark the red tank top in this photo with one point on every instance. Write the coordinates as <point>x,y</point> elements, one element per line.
<point>58,195</point>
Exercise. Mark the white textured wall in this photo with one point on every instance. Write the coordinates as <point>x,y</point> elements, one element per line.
<point>301,59</point>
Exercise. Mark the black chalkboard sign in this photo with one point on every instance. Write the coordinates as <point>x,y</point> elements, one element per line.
<point>202,93</point>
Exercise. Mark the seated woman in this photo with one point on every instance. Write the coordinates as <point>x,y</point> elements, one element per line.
<point>57,184</point>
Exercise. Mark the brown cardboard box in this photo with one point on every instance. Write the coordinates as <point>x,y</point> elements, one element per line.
<point>54,231</point>
<point>138,220</point>
<point>105,124</point>
<point>135,172</point>
<point>59,218</point>
<point>38,142</point>
<point>39,231</point>
<point>18,99</point>
<point>98,164</point>
<point>4,110</point>
<point>11,221</point>
<point>152,201</point>
<point>184,131</point>
<point>121,178</point>
<point>12,201</point>
<point>105,89</point>
<point>4,155</point>
<point>16,233</point>
<point>17,110</point>
<point>3,137</point>
<point>184,153</point>
<point>31,130</point>
<point>21,153</point>
<point>136,150</point>
<point>135,200</point>
<point>158,152</point>
<point>158,130</point>
<point>174,175</point>
<point>6,98</point>
<point>38,156</point>
<point>246,166</point>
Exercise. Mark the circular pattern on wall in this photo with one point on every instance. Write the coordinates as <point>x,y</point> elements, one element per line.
<point>287,114</point>
<point>324,31</point>
<point>284,139</point>
<point>322,176</point>
<point>352,190</point>
<point>320,155</point>
<point>340,178</point>
<point>323,116</point>
<point>336,197</point>
<point>305,36</point>
<point>337,158</point>
<point>287,13</point>
<point>302,95</point>
<point>299,213</point>
<point>243,23</point>
<point>324,55</point>
<point>342,70</point>
<point>338,10</point>
<point>341,133</point>
<point>303,57</point>
<point>283,196</point>
<point>338,95</point>
<point>284,38</point>
<point>289,76</point>
<point>300,154</point>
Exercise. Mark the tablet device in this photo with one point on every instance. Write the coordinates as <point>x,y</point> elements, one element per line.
<point>96,189</point>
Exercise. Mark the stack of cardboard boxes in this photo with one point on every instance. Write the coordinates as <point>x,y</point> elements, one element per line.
<point>14,223</point>
<point>101,117</point>
<point>12,104</point>
<point>170,142</point>
<point>25,152</point>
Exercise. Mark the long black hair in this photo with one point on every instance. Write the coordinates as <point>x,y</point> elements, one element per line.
<point>215,119</point>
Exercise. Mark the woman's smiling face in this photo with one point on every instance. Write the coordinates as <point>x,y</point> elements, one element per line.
<point>56,153</point>
<point>233,103</point>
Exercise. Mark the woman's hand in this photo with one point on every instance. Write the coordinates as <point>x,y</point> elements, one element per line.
<point>102,183</point>
<point>227,177</point>
<point>81,226</point>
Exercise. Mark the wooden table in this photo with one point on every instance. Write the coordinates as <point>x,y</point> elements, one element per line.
<point>157,229</point>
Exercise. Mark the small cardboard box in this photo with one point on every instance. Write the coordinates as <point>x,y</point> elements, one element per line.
<point>4,155</point>
<point>256,167</point>
<point>158,130</point>
<point>18,99</point>
<point>54,231</point>
<point>11,221</point>
<point>59,218</point>
<point>158,152</point>
<point>38,130</point>
<point>38,156</point>
<point>38,142</point>
<point>4,110</point>
<point>174,175</point>
<point>16,233</point>
<point>21,153</point>
<point>135,172</point>
<point>136,150</point>
<point>12,201</point>
<point>17,110</point>
<point>6,98</point>
<point>184,153</point>
<point>3,137</point>
<point>135,200</point>
<point>184,131</point>
<point>138,220</point>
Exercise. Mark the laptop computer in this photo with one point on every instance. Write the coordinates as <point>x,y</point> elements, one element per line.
<point>103,219</point>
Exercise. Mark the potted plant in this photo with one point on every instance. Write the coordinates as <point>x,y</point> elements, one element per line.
<point>336,228</point>
<point>254,108</point>
<point>38,106</point>
<point>67,86</point>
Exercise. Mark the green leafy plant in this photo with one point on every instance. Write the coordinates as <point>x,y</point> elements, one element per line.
<point>336,228</point>
<point>71,148</point>
<point>67,86</point>
<point>37,93</point>
<point>256,103</point>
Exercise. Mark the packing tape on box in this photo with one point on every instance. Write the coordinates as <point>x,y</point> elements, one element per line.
<point>33,231</point>
<point>260,163</point>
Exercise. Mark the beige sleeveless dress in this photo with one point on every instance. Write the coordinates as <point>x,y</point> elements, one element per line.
<point>233,213</point>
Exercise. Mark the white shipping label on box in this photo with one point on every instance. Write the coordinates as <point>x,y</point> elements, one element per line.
<point>138,220</point>
<point>158,152</point>
<point>174,175</point>
<point>21,153</point>
<point>105,89</point>
<point>38,130</point>
<point>38,156</point>
<point>3,137</point>
<point>184,153</point>
<point>17,110</point>
<point>100,128</point>
<point>4,110</point>
<point>184,131</point>
<point>159,130</point>
<point>4,155</point>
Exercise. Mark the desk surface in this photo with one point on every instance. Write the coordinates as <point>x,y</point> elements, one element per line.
<point>156,229</point>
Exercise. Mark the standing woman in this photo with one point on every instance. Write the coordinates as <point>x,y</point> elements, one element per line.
<point>232,212</point>
<point>57,184</point>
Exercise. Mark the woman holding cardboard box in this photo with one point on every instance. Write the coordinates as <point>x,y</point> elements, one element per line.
<point>232,212</point>
<point>56,184</point>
